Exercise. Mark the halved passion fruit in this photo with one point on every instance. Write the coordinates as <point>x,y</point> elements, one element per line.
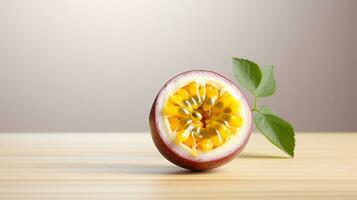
<point>200,120</point>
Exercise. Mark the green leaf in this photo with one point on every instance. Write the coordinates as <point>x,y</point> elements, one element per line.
<point>247,73</point>
<point>261,83</point>
<point>267,85</point>
<point>278,131</point>
<point>265,109</point>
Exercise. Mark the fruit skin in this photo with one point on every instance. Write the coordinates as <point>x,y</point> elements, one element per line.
<point>177,159</point>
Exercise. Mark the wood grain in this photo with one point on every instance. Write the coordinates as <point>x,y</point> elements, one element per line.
<point>127,166</point>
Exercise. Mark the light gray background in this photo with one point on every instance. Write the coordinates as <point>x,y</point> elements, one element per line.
<point>79,65</point>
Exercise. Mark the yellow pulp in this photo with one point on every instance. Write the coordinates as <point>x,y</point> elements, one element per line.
<point>202,116</point>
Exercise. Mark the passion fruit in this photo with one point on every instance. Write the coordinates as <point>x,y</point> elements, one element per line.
<point>200,120</point>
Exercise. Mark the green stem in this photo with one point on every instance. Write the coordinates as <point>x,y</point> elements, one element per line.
<point>255,103</point>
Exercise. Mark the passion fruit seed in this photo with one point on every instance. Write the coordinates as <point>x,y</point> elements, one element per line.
<point>202,116</point>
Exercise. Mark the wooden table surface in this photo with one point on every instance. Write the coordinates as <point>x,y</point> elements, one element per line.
<point>128,166</point>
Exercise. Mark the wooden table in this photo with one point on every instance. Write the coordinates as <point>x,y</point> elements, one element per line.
<point>128,166</point>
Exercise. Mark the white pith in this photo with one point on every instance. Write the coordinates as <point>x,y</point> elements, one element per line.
<point>168,136</point>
